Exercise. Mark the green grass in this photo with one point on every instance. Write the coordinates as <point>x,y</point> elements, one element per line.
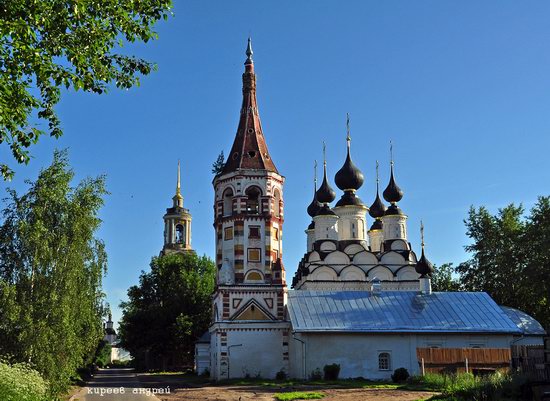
<point>467,387</point>
<point>299,395</point>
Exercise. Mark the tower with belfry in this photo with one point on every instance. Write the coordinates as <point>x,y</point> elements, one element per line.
<point>248,304</point>
<point>177,224</point>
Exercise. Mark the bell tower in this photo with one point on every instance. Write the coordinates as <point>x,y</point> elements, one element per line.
<point>249,335</point>
<point>177,224</point>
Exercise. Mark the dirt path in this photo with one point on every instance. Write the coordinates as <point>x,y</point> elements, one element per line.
<point>250,393</point>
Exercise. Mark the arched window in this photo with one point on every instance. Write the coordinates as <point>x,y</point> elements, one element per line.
<point>180,234</point>
<point>228,202</point>
<point>253,200</point>
<point>384,361</point>
<point>277,203</point>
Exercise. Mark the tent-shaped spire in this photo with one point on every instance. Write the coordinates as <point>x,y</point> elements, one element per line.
<point>249,150</point>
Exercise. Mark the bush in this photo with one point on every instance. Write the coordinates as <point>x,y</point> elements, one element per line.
<point>281,375</point>
<point>332,371</point>
<point>18,382</point>
<point>400,375</point>
<point>316,375</point>
<point>466,386</point>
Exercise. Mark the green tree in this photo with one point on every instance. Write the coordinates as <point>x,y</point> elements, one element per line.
<point>46,45</point>
<point>51,270</point>
<point>444,278</point>
<point>537,269</point>
<point>510,257</point>
<point>218,165</point>
<point>169,308</point>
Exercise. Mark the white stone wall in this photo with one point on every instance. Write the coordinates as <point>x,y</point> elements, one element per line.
<point>202,358</point>
<point>395,227</point>
<point>351,222</point>
<point>357,354</point>
<point>249,349</point>
<point>326,227</point>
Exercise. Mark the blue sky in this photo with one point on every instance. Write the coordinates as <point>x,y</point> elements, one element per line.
<point>462,89</point>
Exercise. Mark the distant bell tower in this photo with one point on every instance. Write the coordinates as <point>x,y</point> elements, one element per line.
<point>177,224</point>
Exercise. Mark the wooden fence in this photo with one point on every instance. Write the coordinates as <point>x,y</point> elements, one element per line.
<point>530,360</point>
<point>453,360</point>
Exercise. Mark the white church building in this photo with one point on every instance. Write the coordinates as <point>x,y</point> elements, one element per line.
<point>361,296</point>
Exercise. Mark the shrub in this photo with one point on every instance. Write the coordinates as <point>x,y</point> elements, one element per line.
<point>281,375</point>
<point>18,382</point>
<point>332,371</point>
<point>316,375</point>
<point>400,375</point>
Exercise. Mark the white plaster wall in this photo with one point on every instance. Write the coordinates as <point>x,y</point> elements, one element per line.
<point>529,340</point>
<point>326,227</point>
<point>202,358</point>
<point>351,224</point>
<point>376,237</point>
<point>357,354</point>
<point>260,355</point>
<point>395,227</point>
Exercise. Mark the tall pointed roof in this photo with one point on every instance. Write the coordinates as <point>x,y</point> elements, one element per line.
<point>249,150</point>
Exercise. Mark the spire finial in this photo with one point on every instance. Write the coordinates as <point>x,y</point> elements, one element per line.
<point>315,175</point>
<point>391,153</point>
<point>249,52</point>
<point>324,156</point>
<point>178,185</point>
<point>348,137</point>
<point>422,235</point>
<point>377,177</point>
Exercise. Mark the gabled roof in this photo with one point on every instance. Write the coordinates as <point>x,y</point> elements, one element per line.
<point>396,311</point>
<point>527,324</point>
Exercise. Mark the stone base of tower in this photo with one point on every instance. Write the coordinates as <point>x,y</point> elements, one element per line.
<point>239,350</point>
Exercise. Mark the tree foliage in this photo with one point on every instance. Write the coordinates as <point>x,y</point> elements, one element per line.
<point>46,45</point>
<point>218,165</point>
<point>51,270</point>
<point>511,257</point>
<point>169,308</point>
<point>444,278</point>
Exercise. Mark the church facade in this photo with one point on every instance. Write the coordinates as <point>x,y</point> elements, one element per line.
<point>361,296</point>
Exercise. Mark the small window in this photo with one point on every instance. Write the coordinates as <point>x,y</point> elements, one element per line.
<point>254,232</point>
<point>276,233</point>
<point>228,233</point>
<point>384,361</point>
<point>254,255</point>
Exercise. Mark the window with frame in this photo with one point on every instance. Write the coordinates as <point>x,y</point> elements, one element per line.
<point>384,361</point>
<point>254,255</point>
<point>276,233</point>
<point>228,233</point>
<point>254,232</point>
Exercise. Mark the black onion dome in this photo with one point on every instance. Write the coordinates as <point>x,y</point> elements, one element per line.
<point>377,209</point>
<point>392,193</point>
<point>376,225</point>
<point>350,199</point>
<point>325,211</point>
<point>349,176</point>
<point>314,206</point>
<point>393,210</point>
<point>325,194</point>
<point>424,267</point>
